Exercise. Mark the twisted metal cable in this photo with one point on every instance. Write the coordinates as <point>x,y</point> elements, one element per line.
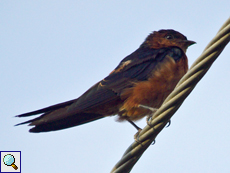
<point>184,87</point>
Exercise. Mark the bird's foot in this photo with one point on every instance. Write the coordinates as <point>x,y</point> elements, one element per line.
<point>149,117</point>
<point>136,137</point>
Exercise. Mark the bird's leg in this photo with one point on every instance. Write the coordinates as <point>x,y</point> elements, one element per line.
<point>149,117</point>
<point>134,125</point>
<point>147,107</point>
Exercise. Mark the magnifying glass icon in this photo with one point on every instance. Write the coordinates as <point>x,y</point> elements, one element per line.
<point>9,160</point>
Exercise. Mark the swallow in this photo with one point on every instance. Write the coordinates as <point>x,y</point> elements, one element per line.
<point>142,79</point>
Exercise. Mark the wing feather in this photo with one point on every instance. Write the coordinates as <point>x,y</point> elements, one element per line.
<point>140,65</point>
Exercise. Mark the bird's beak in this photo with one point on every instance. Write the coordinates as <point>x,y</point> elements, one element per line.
<point>189,42</point>
<point>185,44</point>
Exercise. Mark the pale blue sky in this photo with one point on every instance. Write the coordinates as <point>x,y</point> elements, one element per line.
<point>53,51</point>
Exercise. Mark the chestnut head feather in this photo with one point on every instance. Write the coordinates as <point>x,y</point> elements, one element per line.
<point>167,38</point>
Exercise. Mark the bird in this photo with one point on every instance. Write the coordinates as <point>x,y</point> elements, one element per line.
<point>139,84</point>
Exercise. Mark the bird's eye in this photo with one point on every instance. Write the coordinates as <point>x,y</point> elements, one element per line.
<point>169,37</point>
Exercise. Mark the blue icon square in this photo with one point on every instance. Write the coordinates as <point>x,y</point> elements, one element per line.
<point>10,161</point>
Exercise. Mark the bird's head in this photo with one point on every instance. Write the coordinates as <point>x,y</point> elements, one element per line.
<point>167,38</point>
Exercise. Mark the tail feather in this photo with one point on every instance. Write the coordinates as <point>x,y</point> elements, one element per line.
<point>67,122</point>
<point>58,117</point>
<point>47,109</point>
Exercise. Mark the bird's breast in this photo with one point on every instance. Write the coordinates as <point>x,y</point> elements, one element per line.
<point>153,91</point>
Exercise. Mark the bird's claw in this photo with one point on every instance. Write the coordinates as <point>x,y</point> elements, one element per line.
<point>148,118</point>
<point>136,137</point>
<point>168,124</point>
<point>153,143</point>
